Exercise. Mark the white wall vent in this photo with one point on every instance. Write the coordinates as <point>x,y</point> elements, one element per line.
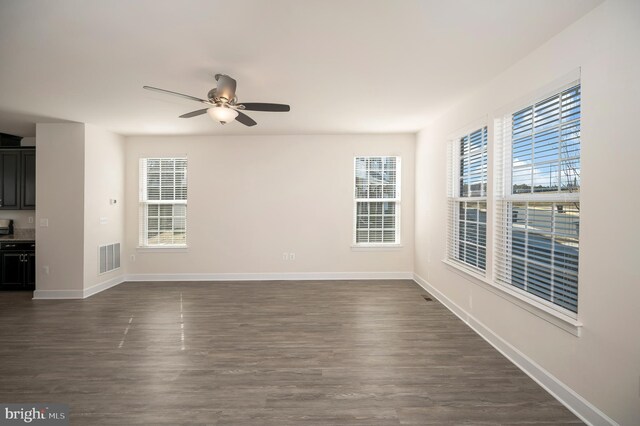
<point>108,257</point>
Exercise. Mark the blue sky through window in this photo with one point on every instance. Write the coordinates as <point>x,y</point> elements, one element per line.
<point>546,145</point>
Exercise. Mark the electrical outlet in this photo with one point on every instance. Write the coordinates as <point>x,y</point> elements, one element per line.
<point>133,257</point>
<point>292,256</point>
<point>44,223</point>
<point>30,219</point>
<point>285,256</point>
<point>45,269</point>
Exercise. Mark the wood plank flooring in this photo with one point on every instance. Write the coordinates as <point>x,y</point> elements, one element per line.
<point>261,353</point>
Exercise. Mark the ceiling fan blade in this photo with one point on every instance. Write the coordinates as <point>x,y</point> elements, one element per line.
<point>256,106</point>
<point>245,119</point>
<point>194,113</point>
<point>169,92</point>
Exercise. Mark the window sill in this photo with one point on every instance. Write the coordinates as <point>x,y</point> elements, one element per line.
<point>476,273</point>
<point>162,249</point>
<point>376,247</point>
<point>568,324</point>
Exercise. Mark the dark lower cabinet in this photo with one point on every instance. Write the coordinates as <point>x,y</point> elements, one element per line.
<point>17,266</point>
<point>30,282</point>
<point>12,270</point>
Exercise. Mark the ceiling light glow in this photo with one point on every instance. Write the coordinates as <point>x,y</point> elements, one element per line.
<point>222,114</point>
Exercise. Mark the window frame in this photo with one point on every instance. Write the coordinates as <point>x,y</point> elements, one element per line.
<point>504,199</point>
<point>455,199</point>
<point>396,200</point>
<point>144,204</point>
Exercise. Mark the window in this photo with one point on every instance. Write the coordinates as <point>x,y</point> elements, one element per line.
<point>163,202</point>
<point>467,221</point>
<point>377,200</point>
<point>538,200</point>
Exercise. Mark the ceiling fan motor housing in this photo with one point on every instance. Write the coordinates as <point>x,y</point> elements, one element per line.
<point>226,90</point>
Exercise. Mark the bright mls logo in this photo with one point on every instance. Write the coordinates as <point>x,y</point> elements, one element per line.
<point>34,414</point>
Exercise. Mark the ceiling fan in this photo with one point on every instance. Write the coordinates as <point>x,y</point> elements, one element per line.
<point>222,103</point>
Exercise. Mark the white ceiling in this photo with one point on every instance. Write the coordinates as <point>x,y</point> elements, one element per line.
<point>344,66</point>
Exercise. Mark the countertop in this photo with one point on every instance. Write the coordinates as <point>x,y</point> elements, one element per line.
<point>20,234</point>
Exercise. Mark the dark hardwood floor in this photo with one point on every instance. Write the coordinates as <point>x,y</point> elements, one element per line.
<point>261,353</point>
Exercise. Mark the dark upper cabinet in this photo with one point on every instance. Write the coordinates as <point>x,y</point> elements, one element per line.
<point>18,179</point>
<point>10,175</point>
<point>28,181</point>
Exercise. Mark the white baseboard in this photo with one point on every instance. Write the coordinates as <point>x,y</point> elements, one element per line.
<point>78,294</point>
<point>274,276</point>
<point>582,408</point>
<point>103,286</point>
<point>58,294</point>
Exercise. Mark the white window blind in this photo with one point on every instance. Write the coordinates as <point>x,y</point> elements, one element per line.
<point>163,202</point>
<point>467,200</point>
<point>538,200</point>
<point>377,200</point>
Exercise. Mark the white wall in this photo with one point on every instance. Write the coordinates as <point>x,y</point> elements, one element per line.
<point>79,167</point>
<point>103,180</point>
<point>28,141</point>
<point>60,200</point>
<point>603,365</point>
<point>253,198</point>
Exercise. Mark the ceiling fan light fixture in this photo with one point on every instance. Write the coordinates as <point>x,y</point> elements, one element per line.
<point>222,114</point>
<point>222,104</point>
